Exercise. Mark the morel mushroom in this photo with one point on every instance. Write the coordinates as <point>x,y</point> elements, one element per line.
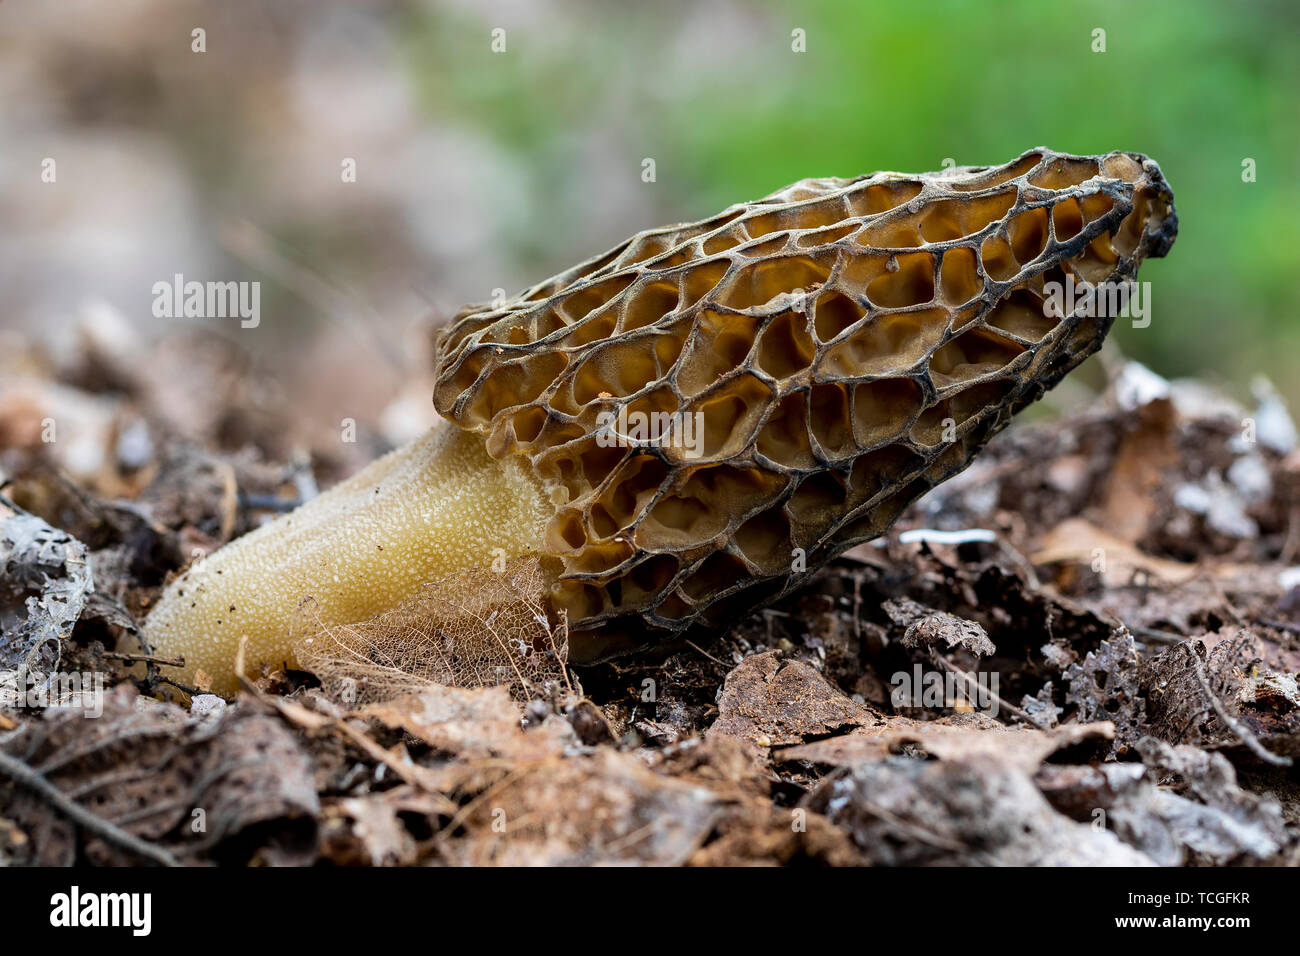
<point>684,427</point>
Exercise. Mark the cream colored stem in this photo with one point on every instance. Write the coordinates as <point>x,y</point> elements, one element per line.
<point>434,507</point>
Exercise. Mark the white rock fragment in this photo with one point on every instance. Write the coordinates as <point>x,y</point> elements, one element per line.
<point>1250,476</point>
<point>1222,505</point>
<point>1136,385</point>
<point>1273,425</point>
<point>207,706</point>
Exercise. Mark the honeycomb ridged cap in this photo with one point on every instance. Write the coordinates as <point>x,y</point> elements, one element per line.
<point>718,408</point>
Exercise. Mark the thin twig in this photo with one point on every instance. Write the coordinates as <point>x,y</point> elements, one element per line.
<point>300,716</point>
<point>184,688</point>
<point>145,659</point>
<point>268,502</point>
<point>25,776</point>
<point>1291,544</point>
<point>1158,636</point>
<point>1241,731</point>
<point>706,653</point>
<point>989,691</point>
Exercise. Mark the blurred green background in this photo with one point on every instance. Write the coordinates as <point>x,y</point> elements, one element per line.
<point>480,170</point>
<point>1199,86</point>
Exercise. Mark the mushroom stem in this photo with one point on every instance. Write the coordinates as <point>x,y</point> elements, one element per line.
<point>429,509</point>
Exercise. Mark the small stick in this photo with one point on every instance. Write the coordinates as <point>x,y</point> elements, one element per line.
<point>145,659</point>
<point>1291,545</point>
<point>706,653</point>
<point>300,716</point>
<point>1242,732</point>
<point>25,776</point>
<point>953,668</point>
<point>1158,636</point>
<point>184,688</point>
<point>268,502</point>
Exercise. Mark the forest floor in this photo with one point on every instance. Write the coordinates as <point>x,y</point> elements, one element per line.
<point>1082,650</point>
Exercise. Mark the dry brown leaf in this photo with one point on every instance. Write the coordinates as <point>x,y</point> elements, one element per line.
<point>957,738</point>
<point>906,812</point>
<point>472,724</point>
<point>1137,471</point>
<point>581,811</point>
<point>366,831</point>
<point>926,627</point>
<point>1077,541</point>
<point>194,786</point>
<point>770,703</point>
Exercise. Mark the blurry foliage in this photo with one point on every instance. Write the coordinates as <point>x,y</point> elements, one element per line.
<point>713,92</point>
<point>483,170</point>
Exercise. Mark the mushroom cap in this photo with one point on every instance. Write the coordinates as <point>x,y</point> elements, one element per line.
<point>715,409</point>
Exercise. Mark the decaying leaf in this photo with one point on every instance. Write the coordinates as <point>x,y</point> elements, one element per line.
<point>1269,706</point>
<point>1041,707</point>
<point>908,812</point>
<point>232,789</point>
<point>1146,449</point>
<point>603,809</point>
<point>770,703</point>
<point>1208,813</point>
<point>757,833</point>
<point>1178,709</point>
<point>366,831</point>
<point>473,724</point>
<point>963,737</point>
<point>1082,542</point>
<point>1217,825</point>
<point>1104,686</point>
<point>45,581</point>
<point>925,627</point>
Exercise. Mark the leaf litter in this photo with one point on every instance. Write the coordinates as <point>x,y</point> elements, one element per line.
<point>1126,574</point>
